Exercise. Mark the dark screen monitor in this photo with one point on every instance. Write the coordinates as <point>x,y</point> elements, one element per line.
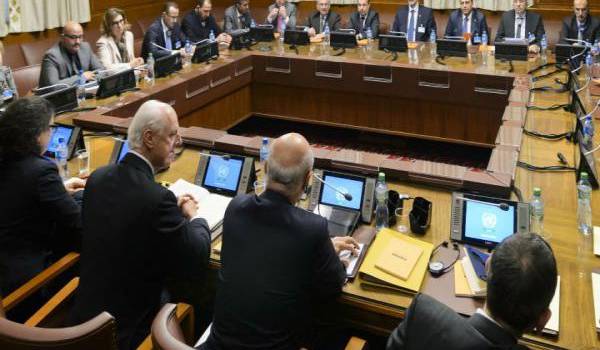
<point>205,51</point>
<point>343,39</point>
<point>586,161</point>
<point>451,47</point>
<point>394,43</point>
<point>262,33</point>
<point>240,39</point>
<point>167,64</point>
<point>116,83</point>
<point>63,100</point>
<point>296,37</point>
<point>564,52</point>
<point>512,51</point>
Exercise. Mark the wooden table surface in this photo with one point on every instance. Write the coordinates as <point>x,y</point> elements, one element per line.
<point>376,311</point>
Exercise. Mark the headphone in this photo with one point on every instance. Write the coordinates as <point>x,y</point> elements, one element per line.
<point>436,267</point>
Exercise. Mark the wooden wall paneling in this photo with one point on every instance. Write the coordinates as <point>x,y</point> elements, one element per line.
<point>221,114</point>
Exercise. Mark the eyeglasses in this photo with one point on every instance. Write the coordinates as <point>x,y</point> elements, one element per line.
<point>73,36</point>
<point>121,21</point>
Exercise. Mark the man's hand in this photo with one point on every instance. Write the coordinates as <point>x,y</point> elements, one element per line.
<point>282,12</point>
<point>274,12</point>
<point>311,32</point>
<point>345,243</point>
<point>74,184</point>
<point>534,48</point>
<point>188,205</point>
<point>136,62</point>
<point>89,75</point>
<point>224,38</point>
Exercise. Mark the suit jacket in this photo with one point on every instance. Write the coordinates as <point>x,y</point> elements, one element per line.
<point>591,33</point>
<point>196,29</point>
<point>371,21</point>
<point>290,9</point>
<point>425,20</point>
<point>155,34</point>
<point>333,20</point>
<point>57,67</point>
<point>109,53</point>
<point>231,21</point>
<point>429,324</point>
<point>36,212</point>
<point>455,23</point>
<point>135,240</point>
<point>533,24</point>
<point>276,260</point>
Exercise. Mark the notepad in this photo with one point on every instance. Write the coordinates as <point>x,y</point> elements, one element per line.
<point>597,240</point>
<point>211,206</point>
<point>399,258</point>
<point>551,327</point>
<point>477,286</point>
<point>596,294</point>
<point>461,285</point>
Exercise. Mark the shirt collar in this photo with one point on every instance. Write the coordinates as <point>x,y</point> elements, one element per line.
<point>416,8</point>
<point>164,26</point>
<point>143,158</point>
<point>523,15</point>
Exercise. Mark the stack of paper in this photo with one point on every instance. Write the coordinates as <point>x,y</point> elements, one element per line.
<point>551,327</point>
<point>596,294</point>
<point>477,286</point>
<point>461,285</point>
<point>211,206</point>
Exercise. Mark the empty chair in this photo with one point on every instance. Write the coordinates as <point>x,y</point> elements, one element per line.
<point>26,78</point>
<point>13,56</point>
<point>34,51</point>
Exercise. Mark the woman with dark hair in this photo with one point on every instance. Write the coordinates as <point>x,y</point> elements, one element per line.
<point>115,46</point>
<point>38,210</point>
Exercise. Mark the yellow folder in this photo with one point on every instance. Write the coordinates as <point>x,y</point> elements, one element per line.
<point>399,258</point>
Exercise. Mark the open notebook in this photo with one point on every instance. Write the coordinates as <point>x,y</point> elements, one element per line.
<point>211,206</point>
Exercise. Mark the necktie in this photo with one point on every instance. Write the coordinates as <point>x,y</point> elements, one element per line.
<point>519,24</point>
<point>411,26</point>
<point>580,30</point>
<point>465,27</point>
<point>322,24</point>
<point>362,23</point>
<point>168,43</point>
<point>280,24</point>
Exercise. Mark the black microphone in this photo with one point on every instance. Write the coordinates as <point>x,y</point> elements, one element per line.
<point>501,205</point>
<point>347,196</point>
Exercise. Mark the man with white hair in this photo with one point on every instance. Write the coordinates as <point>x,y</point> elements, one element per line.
<point>136,233</point>
<point>277,260</point>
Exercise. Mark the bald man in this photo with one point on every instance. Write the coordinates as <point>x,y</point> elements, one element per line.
<point>63,61</point>
<point>581,25</point>
<point>278,260</point>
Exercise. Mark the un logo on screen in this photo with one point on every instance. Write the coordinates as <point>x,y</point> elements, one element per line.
<point>489,220</point>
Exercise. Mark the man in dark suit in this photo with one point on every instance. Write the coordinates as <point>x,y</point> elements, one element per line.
<point>323,17</point>
<point>415,20</point>
<point>521,281</point>
<point>466,20</point>
<point>238,16</point>
<point>137,236</point>
<point>580,26</point>
<point>63,61</point>
<point>164,32</point>
<point>282,15</point>
<point>363,19</point>
<point>199,22</point>
<point>518,23</point>
<point>277,260</point>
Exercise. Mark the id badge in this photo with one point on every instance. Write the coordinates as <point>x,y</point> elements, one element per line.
<point>421,29</point>
<point>178,44</point>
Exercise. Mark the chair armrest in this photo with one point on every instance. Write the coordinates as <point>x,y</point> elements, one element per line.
<point>356,343</point>
<point>185,316</point>
<point>14,298</point>
<point>55,303</point>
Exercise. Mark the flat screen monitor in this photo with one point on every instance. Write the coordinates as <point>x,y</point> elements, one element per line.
<point>296,37</point>
<point>205,51</point>
<point>223,174</point>
<point>451,47</point>
<point>343,39</point>
<point>240,38</point>
<point>564,52</point>
<point>394,43</point>
<point>116,83</point>
<point>332,193</point>
<point>512,51</point>
<point>586,161</point>
<point>67,132</point>
<point>262,33</point>
<point>119,151</point>
<point>166,65</point>
<point>63,100</point>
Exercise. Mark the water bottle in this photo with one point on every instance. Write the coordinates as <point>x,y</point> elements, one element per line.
<point>588,130</point>
<point>382,214</point>
<point>432,37</point>
<point>544,43</point>
<point>150,68</point>
<point>584,205</point>
<point>536,212</point>
<point>589,62</point>
<point>530,38</point>
<point>61,155</point>
<point>326,33</point>
<point>80,87</point>
<point>484,38</point>
<point>211,36</point>
<point>252,23</point>
<point>188,52</point>
<point>477,39</point>
<point>369,34</point>
<point>596,48</point>
<point>264,150</point>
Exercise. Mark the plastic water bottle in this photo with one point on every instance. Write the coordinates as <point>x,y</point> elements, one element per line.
<point>252,23</point>
<point>544,43</point>
<point>530,38</point>
<point>264,150</point>
<point>211,36</point>
<point>584,205</point>
<point>369,34</point>
<point>61,155</point>
<point>382,214</point>
<point>484,38</point>
<point>588,130</point>
<point>477,39</point>
<point>589,62</point>
<point>433,37</point>
<point>80,87</point>
<point>188,52</point>
<point>536,212</point>
<point>326,33</point>
<point>150,68</point>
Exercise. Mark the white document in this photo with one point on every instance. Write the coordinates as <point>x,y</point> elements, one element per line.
<point>554,321</point>
<point>352,259</point>
<point>596,294</point>
<point>478,287</point>
<point>211,206</point>
<point>597,240</point>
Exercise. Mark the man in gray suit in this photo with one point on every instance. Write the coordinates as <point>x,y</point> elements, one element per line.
<point>318,20</point>
<point>238,16</point>
<point>282,15</point>
<point>63,61</point>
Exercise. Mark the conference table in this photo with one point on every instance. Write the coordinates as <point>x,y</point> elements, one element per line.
<point>476,102</point>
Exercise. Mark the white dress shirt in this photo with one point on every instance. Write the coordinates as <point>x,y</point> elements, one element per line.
<point>470,18</point>
<point>522,34</point>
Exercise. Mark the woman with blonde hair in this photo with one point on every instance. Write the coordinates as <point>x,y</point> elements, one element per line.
<point>115,45</point>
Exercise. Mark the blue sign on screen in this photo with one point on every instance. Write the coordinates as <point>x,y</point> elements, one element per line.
<point>488,222</point>
<point>343,185</point>
<point>58,132</point>
<point>223,173</point>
